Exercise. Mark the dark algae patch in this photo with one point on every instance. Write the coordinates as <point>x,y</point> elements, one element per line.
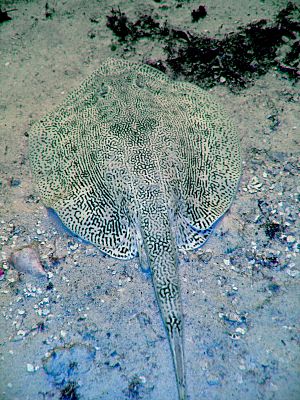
<point>236,60</point>
<point>128,31</point>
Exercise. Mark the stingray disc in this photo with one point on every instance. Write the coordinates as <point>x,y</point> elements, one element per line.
<point>126,128</point>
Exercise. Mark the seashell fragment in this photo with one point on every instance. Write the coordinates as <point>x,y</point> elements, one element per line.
<point>27,260</point>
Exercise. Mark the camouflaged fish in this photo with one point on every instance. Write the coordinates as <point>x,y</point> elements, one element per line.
<point>139,164</point>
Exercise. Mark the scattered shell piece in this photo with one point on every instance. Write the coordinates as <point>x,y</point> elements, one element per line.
<point>290,239</point>
<point>142,379</point>
<point>30,368</point>
<point>27,260</point>
<point>242,331</point>
<point>254,185</point>
<point>32,291</point>
<point>74,246</point>
<point>292,272</point>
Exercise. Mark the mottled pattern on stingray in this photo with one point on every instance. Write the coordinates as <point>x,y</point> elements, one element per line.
<point>127,127</point>
<point>188,238</point>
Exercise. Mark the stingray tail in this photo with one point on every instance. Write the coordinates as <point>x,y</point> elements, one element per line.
<point>176,344</point>
<point>172,318</point>
<point>162,257</point>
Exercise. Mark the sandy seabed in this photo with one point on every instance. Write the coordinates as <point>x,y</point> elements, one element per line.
<point>91,329</point>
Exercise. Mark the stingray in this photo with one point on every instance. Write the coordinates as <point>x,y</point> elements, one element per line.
<point>139,165</point>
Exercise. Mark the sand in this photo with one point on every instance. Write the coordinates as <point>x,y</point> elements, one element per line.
<point>91,329</point>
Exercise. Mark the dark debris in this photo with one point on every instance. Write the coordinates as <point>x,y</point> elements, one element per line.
<point>49,11</point>
<point>199,13</point>
<point>126,30</point>
<point>274,287</point>
<point>4,15</point>
<point>272,229</point>
<point>69,392</point>
<point>134,388</point>
<point>235,60</point>
<point>14,182</point>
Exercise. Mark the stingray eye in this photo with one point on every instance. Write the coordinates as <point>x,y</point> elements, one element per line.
<point>140,82</point>
<point>103,90</point>
<point>145,83</point>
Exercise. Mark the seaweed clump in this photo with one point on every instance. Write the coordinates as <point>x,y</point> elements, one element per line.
<point>126,30</point>
<point>236,60</point>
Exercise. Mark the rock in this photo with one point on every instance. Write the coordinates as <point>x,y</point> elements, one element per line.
<point>27,260</point>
